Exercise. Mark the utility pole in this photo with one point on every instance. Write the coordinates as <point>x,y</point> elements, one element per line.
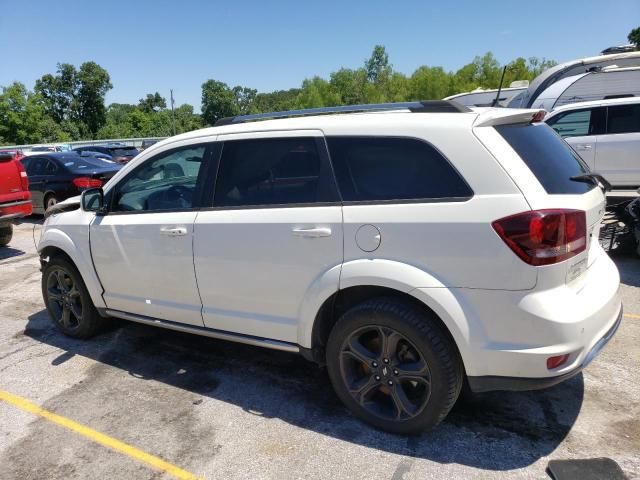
<point>173,113</point>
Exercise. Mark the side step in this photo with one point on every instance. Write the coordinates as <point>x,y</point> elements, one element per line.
<point>206,332</point>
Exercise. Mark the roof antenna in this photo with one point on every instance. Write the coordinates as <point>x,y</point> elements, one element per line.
<point>497,99</point>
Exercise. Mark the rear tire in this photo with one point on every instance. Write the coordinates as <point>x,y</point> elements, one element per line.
<point>67,300</point>
<point>6,234</point>
<point>392,365</point>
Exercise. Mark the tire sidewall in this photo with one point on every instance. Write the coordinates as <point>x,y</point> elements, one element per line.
<point>6,234</point>
<point>366,315</point>
<point>88,323</point>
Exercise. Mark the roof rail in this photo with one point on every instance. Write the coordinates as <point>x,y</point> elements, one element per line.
<point>431,106</point>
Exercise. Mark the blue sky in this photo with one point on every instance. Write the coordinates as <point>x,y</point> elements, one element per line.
<point>149,46</point>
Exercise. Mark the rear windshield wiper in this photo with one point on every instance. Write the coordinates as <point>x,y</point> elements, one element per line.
<point>594,178</point>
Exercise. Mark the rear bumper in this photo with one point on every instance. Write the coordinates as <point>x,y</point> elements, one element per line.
<point>492,383</point>
<point>13,210</point>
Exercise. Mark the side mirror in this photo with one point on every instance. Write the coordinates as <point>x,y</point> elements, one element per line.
<point>92,200</point>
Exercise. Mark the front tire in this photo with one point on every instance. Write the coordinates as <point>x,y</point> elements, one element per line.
<point>67,300</point>
<point>393,366</point>
<point>6,234</point>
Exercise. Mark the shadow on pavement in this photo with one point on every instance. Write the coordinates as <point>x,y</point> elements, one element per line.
<point>629,268</point>
<point>9,252</point>
<point>493,431</point>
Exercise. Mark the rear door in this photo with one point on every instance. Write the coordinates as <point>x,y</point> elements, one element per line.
<point>273,231</point>
<point>618,151</point>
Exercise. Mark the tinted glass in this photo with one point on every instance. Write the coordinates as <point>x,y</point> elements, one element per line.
<point>373,168</point>
<point>164,182</point>
<point>550,159</point>
<point>36,166</point>
<point>270,172</point>
<point>579,123</point>
<point>124,152</point>
<point>623,119</point>
<point>51,168</point>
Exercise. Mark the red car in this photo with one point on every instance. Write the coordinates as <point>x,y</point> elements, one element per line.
<point>15,199</point>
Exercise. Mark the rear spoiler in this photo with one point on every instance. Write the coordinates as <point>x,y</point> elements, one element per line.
<point>491,117</point>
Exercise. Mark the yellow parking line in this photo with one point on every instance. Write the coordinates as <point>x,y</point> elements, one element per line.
<point>98,437</point>
<point>632,315</point>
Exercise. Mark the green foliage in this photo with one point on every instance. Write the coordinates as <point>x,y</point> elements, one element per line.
<point>153,102</point>
<point>634,37</point>
<point>69,105</point>
<point>218,101</point>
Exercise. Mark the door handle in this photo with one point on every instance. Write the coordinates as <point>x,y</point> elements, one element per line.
<point>312,232</point>
<point>584,147</point>
<point>174,231</point>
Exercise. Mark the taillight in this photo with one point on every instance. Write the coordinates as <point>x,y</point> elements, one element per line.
<point>544,237</point>
<point>555,362</point>
<point>86,182</point>
<point>24,181</point>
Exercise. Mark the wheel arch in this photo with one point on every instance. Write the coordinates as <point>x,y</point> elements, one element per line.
<point>55,242</point>
<point>366,279</point>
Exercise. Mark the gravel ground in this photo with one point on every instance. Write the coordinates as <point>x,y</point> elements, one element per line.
<point>222,410</point>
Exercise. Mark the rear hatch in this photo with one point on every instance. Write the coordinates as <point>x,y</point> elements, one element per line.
<point>544,167</point>
<point>11,182</point>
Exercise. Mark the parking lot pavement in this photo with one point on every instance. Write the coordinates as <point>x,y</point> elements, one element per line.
<point>223,410</point>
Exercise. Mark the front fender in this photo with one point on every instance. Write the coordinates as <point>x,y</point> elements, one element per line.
<point>77,248</point>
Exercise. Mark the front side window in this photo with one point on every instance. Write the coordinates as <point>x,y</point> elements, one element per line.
<point>375,168</point>
<point>578,123</point>
<point>623,119</point>
<point>271,171</point>
<point>164,182</point>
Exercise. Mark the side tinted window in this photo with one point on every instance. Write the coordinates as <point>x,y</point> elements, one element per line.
<point>274,171</point>
<point>548,157</point>
<point>623,119</point>
<point>373,168</point>
<point>578,123</point>
<point>36,166</point>
<point>164,182</point>
<point>51,168</point>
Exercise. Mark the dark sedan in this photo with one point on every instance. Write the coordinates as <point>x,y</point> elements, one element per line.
<point>54,177</point>
<point>119,153</point>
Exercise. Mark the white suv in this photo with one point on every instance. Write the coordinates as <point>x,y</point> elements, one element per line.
<point>411,248</point>
<point>606,134</point>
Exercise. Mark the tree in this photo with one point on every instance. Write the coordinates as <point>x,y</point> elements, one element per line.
<point>218,101</point>
<point>23,118</point>
<point>152,103</point>
<point>634,37</point>
<point>429,83</point>
<point>93,84</point>
<point>377,65</point>
<point>244,98</point>
<point>349,85</point>
<point>58,92</point>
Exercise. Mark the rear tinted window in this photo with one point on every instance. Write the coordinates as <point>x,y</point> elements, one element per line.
<point>124,152</point>
<point>550,159</point>
<point>374,168</point>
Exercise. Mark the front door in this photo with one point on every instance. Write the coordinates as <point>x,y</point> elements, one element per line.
<point>142,248</point>
<point>273,233</point>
